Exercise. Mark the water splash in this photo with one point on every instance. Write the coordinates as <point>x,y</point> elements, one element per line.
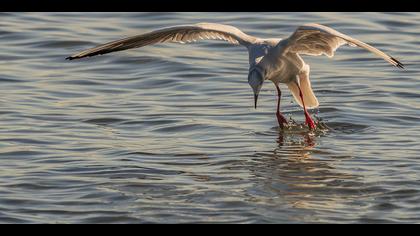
<point>294,127</point>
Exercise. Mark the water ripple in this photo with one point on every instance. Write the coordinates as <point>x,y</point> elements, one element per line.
<point>168,133</point>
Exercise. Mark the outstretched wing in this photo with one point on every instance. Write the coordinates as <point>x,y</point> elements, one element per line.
<point>316,39</point>
<point>181,34</point>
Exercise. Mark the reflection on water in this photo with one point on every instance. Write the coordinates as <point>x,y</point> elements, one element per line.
<point>296,180</point>
<point>169,134</point>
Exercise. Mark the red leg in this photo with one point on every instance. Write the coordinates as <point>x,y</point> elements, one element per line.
<point>308,118</point>
<point>280,118</point>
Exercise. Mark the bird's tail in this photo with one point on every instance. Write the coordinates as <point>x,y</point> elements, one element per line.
<point>308,95</point>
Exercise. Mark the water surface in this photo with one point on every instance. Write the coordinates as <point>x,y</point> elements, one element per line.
<point>168,134</point>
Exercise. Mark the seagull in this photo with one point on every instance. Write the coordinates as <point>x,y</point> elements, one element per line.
<point>275,59</point>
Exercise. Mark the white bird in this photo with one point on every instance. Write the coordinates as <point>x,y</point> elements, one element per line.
<point>272,59</point>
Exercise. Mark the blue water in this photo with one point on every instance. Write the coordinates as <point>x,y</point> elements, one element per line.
<point>168,133</point>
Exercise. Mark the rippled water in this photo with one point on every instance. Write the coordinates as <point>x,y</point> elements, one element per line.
<point>169,134</point>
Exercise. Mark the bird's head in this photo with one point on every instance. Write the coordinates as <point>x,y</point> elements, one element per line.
<point>255,80</point>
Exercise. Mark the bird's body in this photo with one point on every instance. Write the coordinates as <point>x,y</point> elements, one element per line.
<point>274,59</point>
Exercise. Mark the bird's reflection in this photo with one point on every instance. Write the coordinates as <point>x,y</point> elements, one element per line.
<point>300,175</point>
<point>308,140</point>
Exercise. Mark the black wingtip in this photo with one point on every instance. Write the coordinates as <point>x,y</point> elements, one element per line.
<point>398,63</point>
<point>71,58</point>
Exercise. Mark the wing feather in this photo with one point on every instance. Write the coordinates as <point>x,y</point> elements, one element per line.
<point>316,39</point>
<point>180,34</point>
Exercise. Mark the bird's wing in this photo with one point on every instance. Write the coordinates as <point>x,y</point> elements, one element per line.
<point>316,39</point>
<point>181,34</point>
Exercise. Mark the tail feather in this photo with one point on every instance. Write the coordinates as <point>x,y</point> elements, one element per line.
<point>308,95</point>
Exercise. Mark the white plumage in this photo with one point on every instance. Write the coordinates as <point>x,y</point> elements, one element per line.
<point>270,59</point>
